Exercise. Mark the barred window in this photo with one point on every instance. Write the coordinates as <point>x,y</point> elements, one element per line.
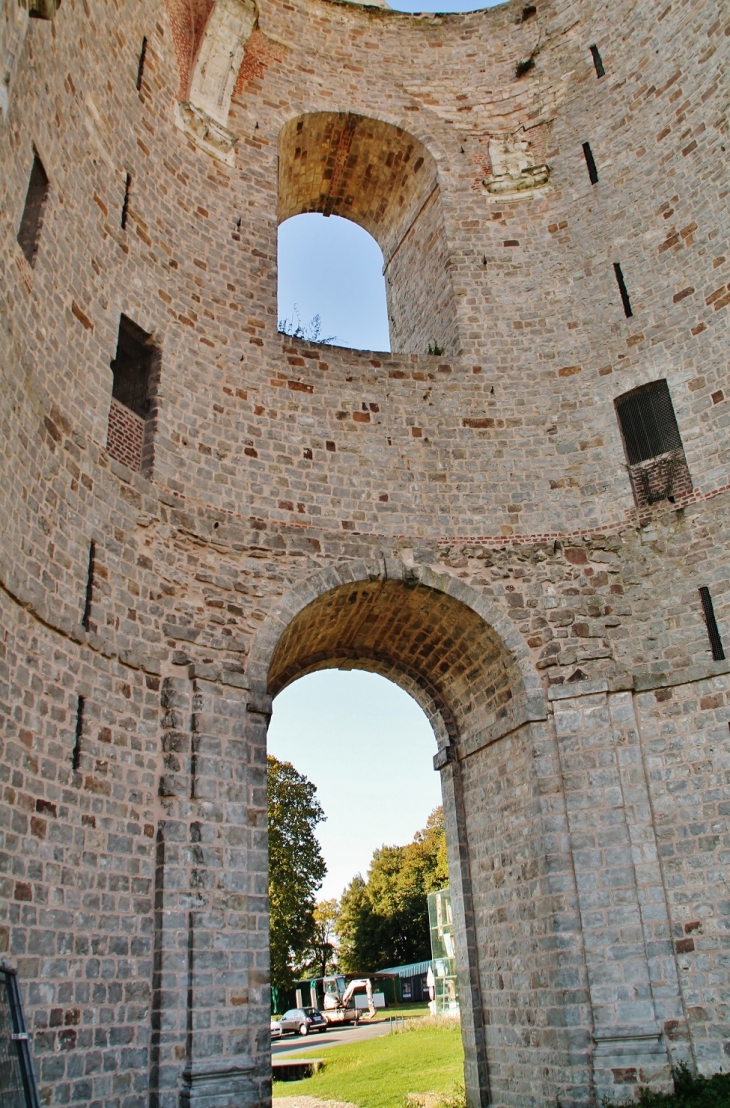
<point>647,421</point>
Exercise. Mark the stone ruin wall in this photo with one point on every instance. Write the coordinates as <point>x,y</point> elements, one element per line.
<point>590,838</point>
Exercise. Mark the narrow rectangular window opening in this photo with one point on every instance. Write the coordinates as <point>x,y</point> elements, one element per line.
<point>140,66</point>
<point>29,232</point>
<point>657,466</point>
<point>89,586</point>
<point>590,162</point>
<point>76,756</point>
<point>713,631</point>
<point>132,368</point>
<point>125,204</point>
<point>623,290</point>
<point>648,423</point>
<point>43,9</point>
<point>598,63</point>
<point>132,413</point>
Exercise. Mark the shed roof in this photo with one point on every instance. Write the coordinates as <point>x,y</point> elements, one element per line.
<point>413,970</point>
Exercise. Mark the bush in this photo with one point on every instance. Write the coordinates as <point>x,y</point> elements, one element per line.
<point>689,1092</point>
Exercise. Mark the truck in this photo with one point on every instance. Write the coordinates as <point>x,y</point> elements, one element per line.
<point>334,997</point>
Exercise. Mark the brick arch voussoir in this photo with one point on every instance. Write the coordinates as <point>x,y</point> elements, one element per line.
<point>333,577</point>
<point>428,133</point>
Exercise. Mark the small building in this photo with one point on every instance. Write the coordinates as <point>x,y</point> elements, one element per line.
<point>411,983</point>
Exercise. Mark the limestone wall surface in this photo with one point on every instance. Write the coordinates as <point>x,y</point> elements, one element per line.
<point>482,495</point>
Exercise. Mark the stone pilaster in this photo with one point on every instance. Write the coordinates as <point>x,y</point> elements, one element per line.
<point>476,1073</point>
<point>211,981</point>
<point>631,973</point>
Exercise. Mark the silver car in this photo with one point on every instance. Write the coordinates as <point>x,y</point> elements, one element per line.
<point>302,1020</point>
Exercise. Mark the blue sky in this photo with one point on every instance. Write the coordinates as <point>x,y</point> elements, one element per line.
<point>364,743</point>
<point>330,267</point>
<point>368,747</point>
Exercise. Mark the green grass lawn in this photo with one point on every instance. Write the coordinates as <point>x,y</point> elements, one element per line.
<point>426,1058</point>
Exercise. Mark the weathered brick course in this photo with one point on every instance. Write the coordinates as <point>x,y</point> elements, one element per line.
<point>125,438</point>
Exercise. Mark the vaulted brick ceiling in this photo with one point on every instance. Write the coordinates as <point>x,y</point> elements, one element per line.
<point>420,638</point>
<point>371,172</point>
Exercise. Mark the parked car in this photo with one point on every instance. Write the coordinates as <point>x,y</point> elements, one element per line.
<point>275,1029</point>
<point>302,1020</point>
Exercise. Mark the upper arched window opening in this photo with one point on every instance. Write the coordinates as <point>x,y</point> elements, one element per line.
<point>331,285</point>
<point>385,180</point>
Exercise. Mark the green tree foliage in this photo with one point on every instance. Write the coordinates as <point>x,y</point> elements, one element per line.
<point>296,866</point>
<point>384,920</point>
<point>320,959</point>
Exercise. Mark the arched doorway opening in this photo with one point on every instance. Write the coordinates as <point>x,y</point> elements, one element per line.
<point>468,669</point>
<point>376,825</point>
<point>384,179</point>
<point>368,748</point>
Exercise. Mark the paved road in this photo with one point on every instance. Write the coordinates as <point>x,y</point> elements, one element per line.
<point>334,1037</point>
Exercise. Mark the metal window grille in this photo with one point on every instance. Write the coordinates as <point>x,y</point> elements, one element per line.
<point>18,1088</point>
<point>648,424</point>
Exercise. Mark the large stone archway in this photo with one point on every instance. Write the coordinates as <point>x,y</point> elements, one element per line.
<point>434,638</point>
<point>459,669</point>
<point>534,955</point>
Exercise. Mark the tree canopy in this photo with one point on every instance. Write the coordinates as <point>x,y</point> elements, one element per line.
<point>320,958</point>
<point>296,866</point>
<point>384,920</point>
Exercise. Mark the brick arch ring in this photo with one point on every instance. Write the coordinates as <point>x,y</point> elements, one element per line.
<point>377,616</point>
